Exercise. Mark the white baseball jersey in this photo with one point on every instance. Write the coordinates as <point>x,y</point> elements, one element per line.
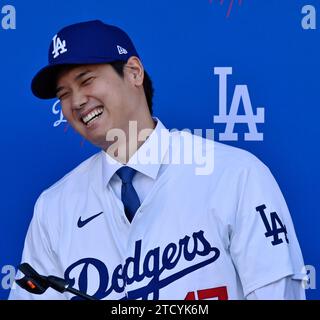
<point>219,235</point>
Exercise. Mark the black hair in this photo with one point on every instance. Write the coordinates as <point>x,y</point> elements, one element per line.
<point>147,82</point>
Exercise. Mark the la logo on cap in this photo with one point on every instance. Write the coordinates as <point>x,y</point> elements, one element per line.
<point>59,46</point>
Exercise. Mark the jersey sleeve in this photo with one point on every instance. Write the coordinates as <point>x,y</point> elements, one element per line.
<point>264,246</point>
<point>283,289</point>
<point>39,254</point>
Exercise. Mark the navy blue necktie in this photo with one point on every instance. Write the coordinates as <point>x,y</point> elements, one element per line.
<point>129,196</point>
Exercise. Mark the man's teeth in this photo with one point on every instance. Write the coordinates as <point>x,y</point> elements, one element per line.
<point>92,115</point>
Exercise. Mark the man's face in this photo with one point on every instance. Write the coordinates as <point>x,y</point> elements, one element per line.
<point>95,99</point>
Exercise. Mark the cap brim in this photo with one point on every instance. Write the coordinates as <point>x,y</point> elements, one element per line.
<point>43,84</point>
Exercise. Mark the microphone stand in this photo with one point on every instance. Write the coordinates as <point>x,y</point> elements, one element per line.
<point>35,283</point>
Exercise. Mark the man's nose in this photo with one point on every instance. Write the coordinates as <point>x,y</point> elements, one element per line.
<point>79,99</point>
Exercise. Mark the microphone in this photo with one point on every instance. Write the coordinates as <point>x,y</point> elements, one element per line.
<point>36,283</point>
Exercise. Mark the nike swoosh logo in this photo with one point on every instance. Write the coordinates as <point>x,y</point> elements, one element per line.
<point>82,223</point>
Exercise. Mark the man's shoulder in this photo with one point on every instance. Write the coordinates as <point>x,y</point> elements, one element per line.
<point>77,177</point>
<point>239,161</point>
<point>230,155</point>
<point>224,154</point>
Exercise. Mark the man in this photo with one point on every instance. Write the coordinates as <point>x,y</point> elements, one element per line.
<point>120,227</point>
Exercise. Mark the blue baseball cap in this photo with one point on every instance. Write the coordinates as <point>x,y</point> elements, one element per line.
<point>90,42</point>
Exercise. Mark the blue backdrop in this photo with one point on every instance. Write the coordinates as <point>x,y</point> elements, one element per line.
<point>180,43</point>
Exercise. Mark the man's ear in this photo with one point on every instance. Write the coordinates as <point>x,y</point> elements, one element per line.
<point>134,71</point>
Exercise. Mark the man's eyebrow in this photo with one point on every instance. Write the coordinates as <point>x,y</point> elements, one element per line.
<point>79,76</point>
<point>82,74</point>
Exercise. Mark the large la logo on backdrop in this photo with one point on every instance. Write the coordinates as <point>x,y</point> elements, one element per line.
<point>240,95</point>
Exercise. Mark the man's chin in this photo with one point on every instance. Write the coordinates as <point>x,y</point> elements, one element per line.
<point>98,142</point>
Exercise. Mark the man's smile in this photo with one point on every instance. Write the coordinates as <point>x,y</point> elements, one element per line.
<point>91,116</point>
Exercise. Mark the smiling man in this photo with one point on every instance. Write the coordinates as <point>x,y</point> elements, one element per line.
<point>119,228</point>
<point>95,100</point>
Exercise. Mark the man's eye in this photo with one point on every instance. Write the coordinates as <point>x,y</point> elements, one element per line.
<point>62,96</point>
<point>87,81</point>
